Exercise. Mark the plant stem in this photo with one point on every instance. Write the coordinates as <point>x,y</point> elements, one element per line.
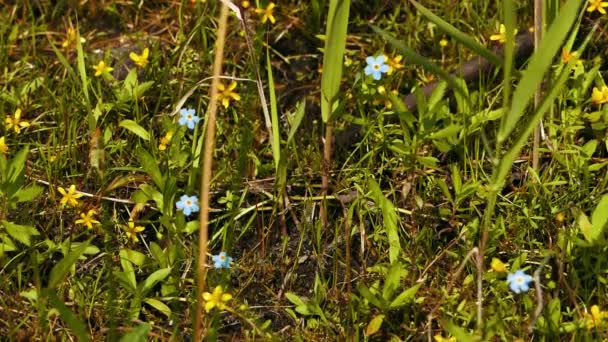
<point>206,168</point>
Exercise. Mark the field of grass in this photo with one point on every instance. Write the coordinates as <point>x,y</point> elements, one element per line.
<point>319,170</point>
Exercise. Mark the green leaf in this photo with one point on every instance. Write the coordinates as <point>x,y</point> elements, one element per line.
<point>393,280</point>
<point>274,115</point>
<point>139,334</point>
<point>127,267</point>
<point>367,294</point>
<point>458,35</point>
<point>335,43</point>
<point>16,165</point>
<point>389,214</point>
<point>28,194</point>
<point>414,58</point>
<point>589,231</point>
<point>537,66</point>
<point>135,129</point>
<point>61,269</point>
<point>297,120</point>
<point>450,131</point>
<point>150,166</point>
<point>77,326</point>
<point>599,218</point>
<point>405,297</point>
<point>158,305</point>
<point>135,257</point>
<point>21,233</point>
<point>459,333</point>
<point>154,279</point>
<point>374,325</point>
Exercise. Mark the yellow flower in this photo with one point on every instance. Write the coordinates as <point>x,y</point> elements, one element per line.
<point>87,219</point>
<point>70,38</point>
<point>502,36</point>
<point>439,338</point>
<point>15,122</point>
<point>142,59</point>
<point>131,229</point>
<point>164,141</point>
<point>266,13</point>
<point>560,217</point>
<point>216,299</point>
<point>394,64</point>
<point>498,266</point>
<point>443,42</point>
<point>226,93</point>
<point>567,56</point>
<point>599,96</point>
<point>387,102</point>
<point>3,146</point>
<point>597,5</point>
<point>594,319</point>
<point>101,68</point>
<point>245,4</point>
<point>70,197</point>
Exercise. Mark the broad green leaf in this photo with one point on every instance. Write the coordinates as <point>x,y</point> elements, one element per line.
<point>154,279</point>
<point>160,306</point>
<point>589,231</point>
<point>374,325</point>
<point>139,334</point>
<point>150,166</point>
<point>135,257</point>
<point>405,297</point>
<point>135,129</point>
<point>21,233</point>
<point>450,131</point>
<point>77,327</point>
<point>335,43</point>
<point>61,269</point>
<point>459,333</point>
<point>16,165</point>
<point>389,215</point>
<point>29,193</point>
<point>127,267</point>
<point>466,40</point>
<point>191,227</point>
<point>599,218</point>
<point>539,63</point>
<point>367,294</point>
<point>393,280</point>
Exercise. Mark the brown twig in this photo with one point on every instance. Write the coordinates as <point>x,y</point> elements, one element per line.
<point>206,168</point>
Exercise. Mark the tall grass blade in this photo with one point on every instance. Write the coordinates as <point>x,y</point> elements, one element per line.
<point>274,115</point>
<point>458,35</point>
<point>538,65</point>
<point>426,63</point>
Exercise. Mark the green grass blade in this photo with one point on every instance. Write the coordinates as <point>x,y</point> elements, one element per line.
<point>335,43</point>
<point>426,63</point>
<point>85,82</point>
<point>77,327</point>
<point>510,26</point>
<point>538,65</point>
<point>61,269</point>
<point>274,115</point>
<point>458,35</point>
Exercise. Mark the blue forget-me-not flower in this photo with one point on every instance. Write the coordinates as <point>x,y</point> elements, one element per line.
<point>187,116</point>
<point>221,260</point>
<point>188,204</point>
<point>519,281</point>
<point>376,66</point>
